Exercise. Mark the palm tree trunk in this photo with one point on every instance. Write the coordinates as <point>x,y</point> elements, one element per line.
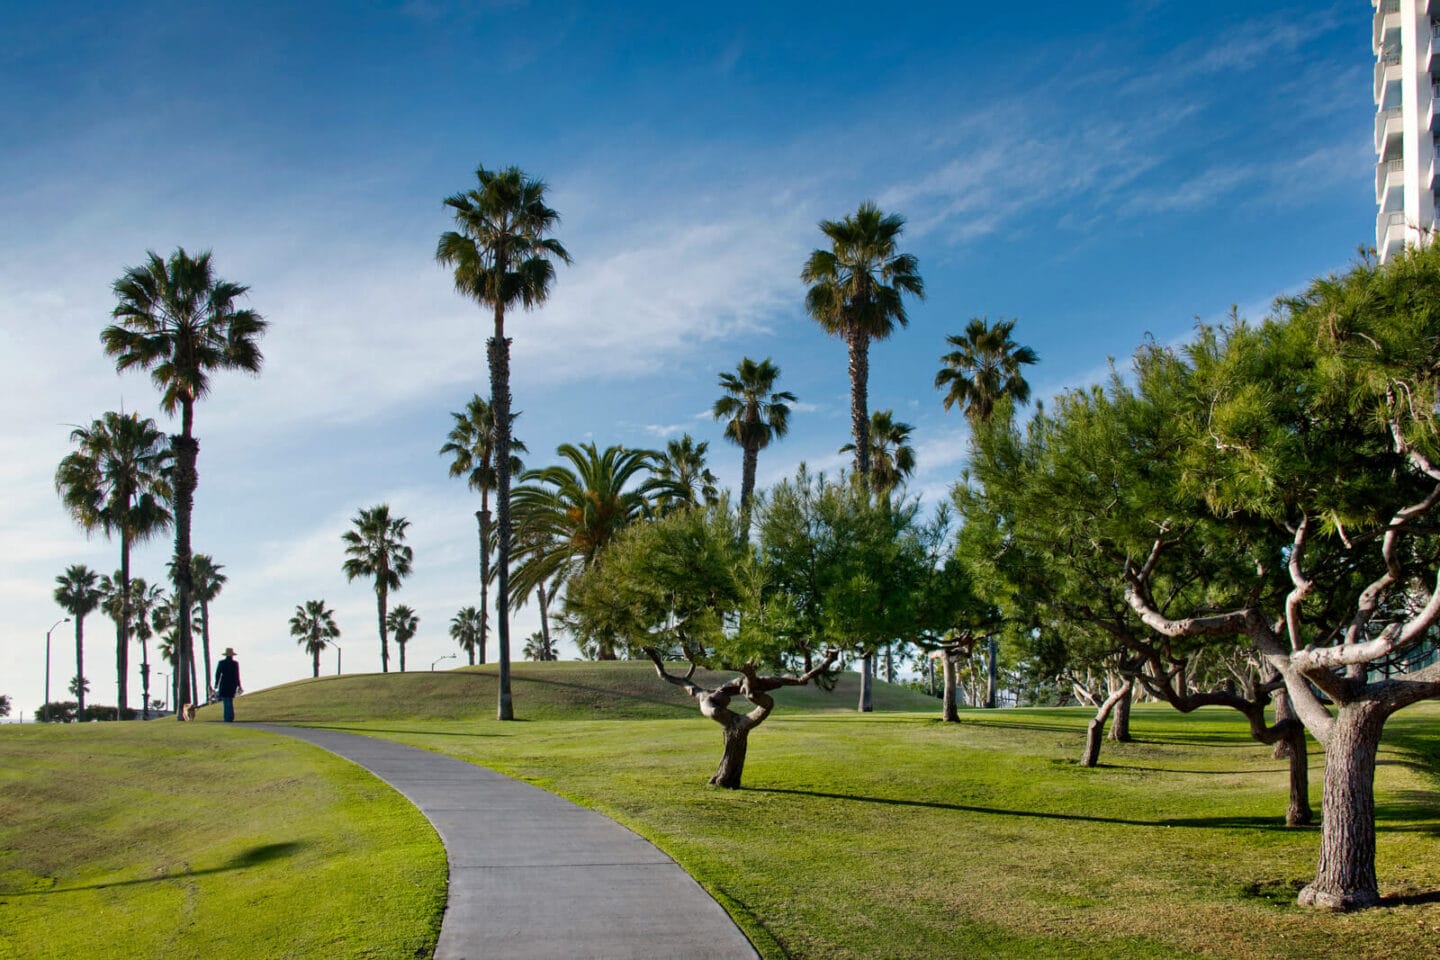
<point>144,681</point>
<point>382,595</point>
<point>402,655</point>
<point>544,600</point>
<point>205,639</point>
<point>747,485</point>
<point>867,671</point>
<point>187,450</point>
<point>122,629</point>
<point>315,662</point>
<point>859,345</point>
<point>484,517</point>
<point>499,351</point>
<point>80,667</point>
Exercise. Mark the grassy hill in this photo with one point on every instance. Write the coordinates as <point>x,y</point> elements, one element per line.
<point>542,691</point>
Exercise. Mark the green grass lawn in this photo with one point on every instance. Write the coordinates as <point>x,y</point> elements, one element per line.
<point>149,840</point>
<point>893,835</point>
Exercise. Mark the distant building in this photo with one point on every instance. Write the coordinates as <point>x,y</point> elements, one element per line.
<point>1407,122</point>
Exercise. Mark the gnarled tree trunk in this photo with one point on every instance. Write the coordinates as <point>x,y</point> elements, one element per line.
<point>948,710</point>
<point>1345,878</point>
<point>1120,727</point>
<point>1094,734</point>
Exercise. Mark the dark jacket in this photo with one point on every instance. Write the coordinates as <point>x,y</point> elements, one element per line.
<point>227,678</point>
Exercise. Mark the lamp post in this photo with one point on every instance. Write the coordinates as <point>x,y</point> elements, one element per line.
<point>338,651</point>
<point>46,707</point>
<point>165,679</point>
<point>448,656</point>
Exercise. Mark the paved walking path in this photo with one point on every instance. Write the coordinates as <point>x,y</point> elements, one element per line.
<point>535,876</point>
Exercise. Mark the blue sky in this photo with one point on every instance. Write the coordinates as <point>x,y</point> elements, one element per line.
<point>1099,171</point>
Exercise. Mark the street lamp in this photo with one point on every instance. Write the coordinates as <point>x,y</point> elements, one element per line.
<point>338,651</point>
<point>448,656</point>
<point>165,678</point>
<point>46,708</point>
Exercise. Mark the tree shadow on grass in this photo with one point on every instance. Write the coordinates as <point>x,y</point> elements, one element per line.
<point>245,859</point>
<point>1250,823</point>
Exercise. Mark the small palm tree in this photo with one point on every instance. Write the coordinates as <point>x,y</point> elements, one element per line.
<point>313,627</point>
<point>117,481</point>
<point>568,514</point>
<point>376,548</point>
<point>178,320</point>
<point>471,446</point>
<point>403,623</point>
<point>686,481</point>
<point>892,458</point>
<point>984,369</point>
<point>208,582</point>
<point>538,647</point>
<point>78,594</point>
<point>755,413</point>
<point>465,631</point>
<point>857,291</point>
<point>146,603</point>
<point>502,258</point>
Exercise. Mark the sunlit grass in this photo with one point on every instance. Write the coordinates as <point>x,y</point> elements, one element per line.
<point>162,839</point>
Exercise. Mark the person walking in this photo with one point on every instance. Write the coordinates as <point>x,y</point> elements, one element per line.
<point>227,683</point>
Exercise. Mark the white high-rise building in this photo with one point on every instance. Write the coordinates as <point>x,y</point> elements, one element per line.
<point>1407,118</point>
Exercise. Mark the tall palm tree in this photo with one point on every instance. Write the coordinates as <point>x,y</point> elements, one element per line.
<point>502,257</point>
<point>465,630</point>
<point>165,618</point>
<point>376,548</point>
<point>857,290</point>
<point>566,515</point>
<point>984,369</point>
<point>892,458</point>
<point>687,481</point>
<point>117,480</point>
<point>313,627</point>
<point>178,320</point>
<point>471,446</point>
<point>754,413</point>
<point>78,594</point>
<point>403,623</point>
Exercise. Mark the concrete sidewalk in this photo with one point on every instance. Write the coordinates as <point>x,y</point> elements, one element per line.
<point>535,876</point>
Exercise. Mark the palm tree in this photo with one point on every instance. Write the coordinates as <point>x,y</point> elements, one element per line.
<point>208,582</point>
<point>892,459</point>
<point>566,515</point>
<point>465,630</point>
<point>754,414</point>
<point>984,369</point>
<point>146,602</point>
<point>403,623</point>
<point>857,290</point>
<point>180,321</point>
<point>118,481</point>
<point>501,258</point>
<point>471,446</point>
<point>78,595</point>
<point>376,548</point>
<point>538,647</point>
<point>313,627</point>
<point>687,481</point>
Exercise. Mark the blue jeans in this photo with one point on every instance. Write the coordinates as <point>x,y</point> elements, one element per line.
<point>229,704</point>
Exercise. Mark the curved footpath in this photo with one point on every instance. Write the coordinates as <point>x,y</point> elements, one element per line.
<point>535,876</point>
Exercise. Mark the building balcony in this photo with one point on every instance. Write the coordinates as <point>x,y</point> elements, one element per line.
<point>1389,124</point>
<point>1387,71</point>
<point>1387,18</point>
<point>1390,184</point>
<point>1389,234</point>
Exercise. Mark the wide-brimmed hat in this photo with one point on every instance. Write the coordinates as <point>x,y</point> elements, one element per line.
<point>229,652</point>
